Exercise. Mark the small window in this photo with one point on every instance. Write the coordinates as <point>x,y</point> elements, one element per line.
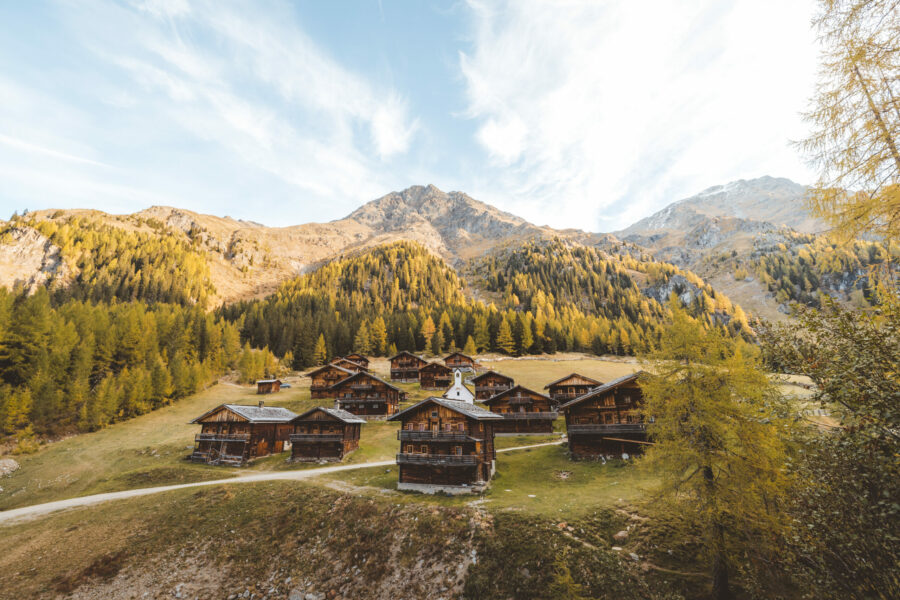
<point>457,450</point>
<point>434,414</point>
<point>409,449</point>
<point>424,449</point>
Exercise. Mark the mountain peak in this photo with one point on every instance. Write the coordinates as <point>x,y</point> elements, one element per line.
<point>450,222</point>
<point>774,200</point>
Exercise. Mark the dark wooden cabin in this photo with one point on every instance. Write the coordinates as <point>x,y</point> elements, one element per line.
<point>460,361</point>
<point>359,359</point>
<point>323,378</point>
<point>405,366</point>
<point>570,387</point>
<point>346,363</point>
<point>524,411</point>
<point>324,434</point>
<point>234,434</point>
<point>268,386</point>
<point>366,395</point>
<point>491,383</point>
<point>605,420</point>
<point>445,446</point>
<point>435,376</point>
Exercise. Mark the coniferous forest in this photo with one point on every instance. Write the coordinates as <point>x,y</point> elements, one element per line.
<point>531,299</point>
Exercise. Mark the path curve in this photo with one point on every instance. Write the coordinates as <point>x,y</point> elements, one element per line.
<point>35,510</point>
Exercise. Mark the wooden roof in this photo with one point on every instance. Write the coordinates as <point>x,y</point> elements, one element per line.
<point>258,381</point>
<point>452,354</point>
<point>342,359</point>
<point>407,353</point>
<point>561,379</point>
<point>464,408</point>
<point>253,414</point>
<point>435,365</point>
<point>365,374</point>
<point>519,388</point>
<point>337,413</point>
<point>486,373</point>
<point>604,388</point>
<point>329,366</point>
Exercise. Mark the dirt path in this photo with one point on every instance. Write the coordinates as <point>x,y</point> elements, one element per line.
<point>36,510</point>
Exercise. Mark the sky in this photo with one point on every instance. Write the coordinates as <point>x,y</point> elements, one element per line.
<point>569,113</point>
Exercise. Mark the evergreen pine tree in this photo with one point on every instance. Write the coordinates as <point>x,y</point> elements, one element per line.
<point>470,348</point>
<point>320,353</point>
<point>362,343</point>
<point>505,341</point>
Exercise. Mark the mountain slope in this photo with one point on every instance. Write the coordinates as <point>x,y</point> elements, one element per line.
<point>774,200</point>
<point>246,259</point>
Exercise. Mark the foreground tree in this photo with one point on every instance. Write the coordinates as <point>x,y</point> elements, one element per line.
<point>856,118</point>
<point>845,539</point>
<point>715,420</point>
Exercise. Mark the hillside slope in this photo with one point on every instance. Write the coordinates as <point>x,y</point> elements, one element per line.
<point>246,260</point>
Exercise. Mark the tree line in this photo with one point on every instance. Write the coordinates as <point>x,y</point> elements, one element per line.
<point>79,366</point>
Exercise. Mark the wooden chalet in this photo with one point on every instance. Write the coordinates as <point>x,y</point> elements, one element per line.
<point>268,386</point>
<point>405,366</point>
<point>366,395</point>
<point>570,387</point>
<point>460,361</point>
<point>524,411</point>
<point>234,434</point>
<point>346,363</point>
<point>323,378</point>
<point>605,421</point>
<point>435,376</point>
<point>324,434</point>
<point>490,383</point>
<point>445,446</point>
<point>359,359</point>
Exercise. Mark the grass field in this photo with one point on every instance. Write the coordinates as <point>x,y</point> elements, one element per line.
<point>540,481</point>
<point>149,450</point>
<point>144,451</point>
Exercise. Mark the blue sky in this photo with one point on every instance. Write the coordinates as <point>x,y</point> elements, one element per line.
<point>569,113</point>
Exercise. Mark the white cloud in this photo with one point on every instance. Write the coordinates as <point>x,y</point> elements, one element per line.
<point>595,114</point>
<point>222,83</point>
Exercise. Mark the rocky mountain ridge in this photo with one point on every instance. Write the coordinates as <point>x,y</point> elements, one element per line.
<point>247,259</point>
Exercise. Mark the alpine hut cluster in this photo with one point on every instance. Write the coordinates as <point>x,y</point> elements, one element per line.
<point>446,444</point>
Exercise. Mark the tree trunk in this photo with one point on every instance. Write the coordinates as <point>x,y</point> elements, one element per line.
<point>720,588</point>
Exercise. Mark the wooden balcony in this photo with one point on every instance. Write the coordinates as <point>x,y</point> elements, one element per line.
<point>520,400</point>
<point>406,435</point>
<point>530,415</point>
<point>565,396</point>
<point>365,400</point>
<point>316,437</point>
<point>443,460</point>
<point>492,389</point>
<point>608,428</point>
<point>222,437</point>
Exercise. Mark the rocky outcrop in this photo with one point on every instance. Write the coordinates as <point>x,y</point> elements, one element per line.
<point>30,260</point>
